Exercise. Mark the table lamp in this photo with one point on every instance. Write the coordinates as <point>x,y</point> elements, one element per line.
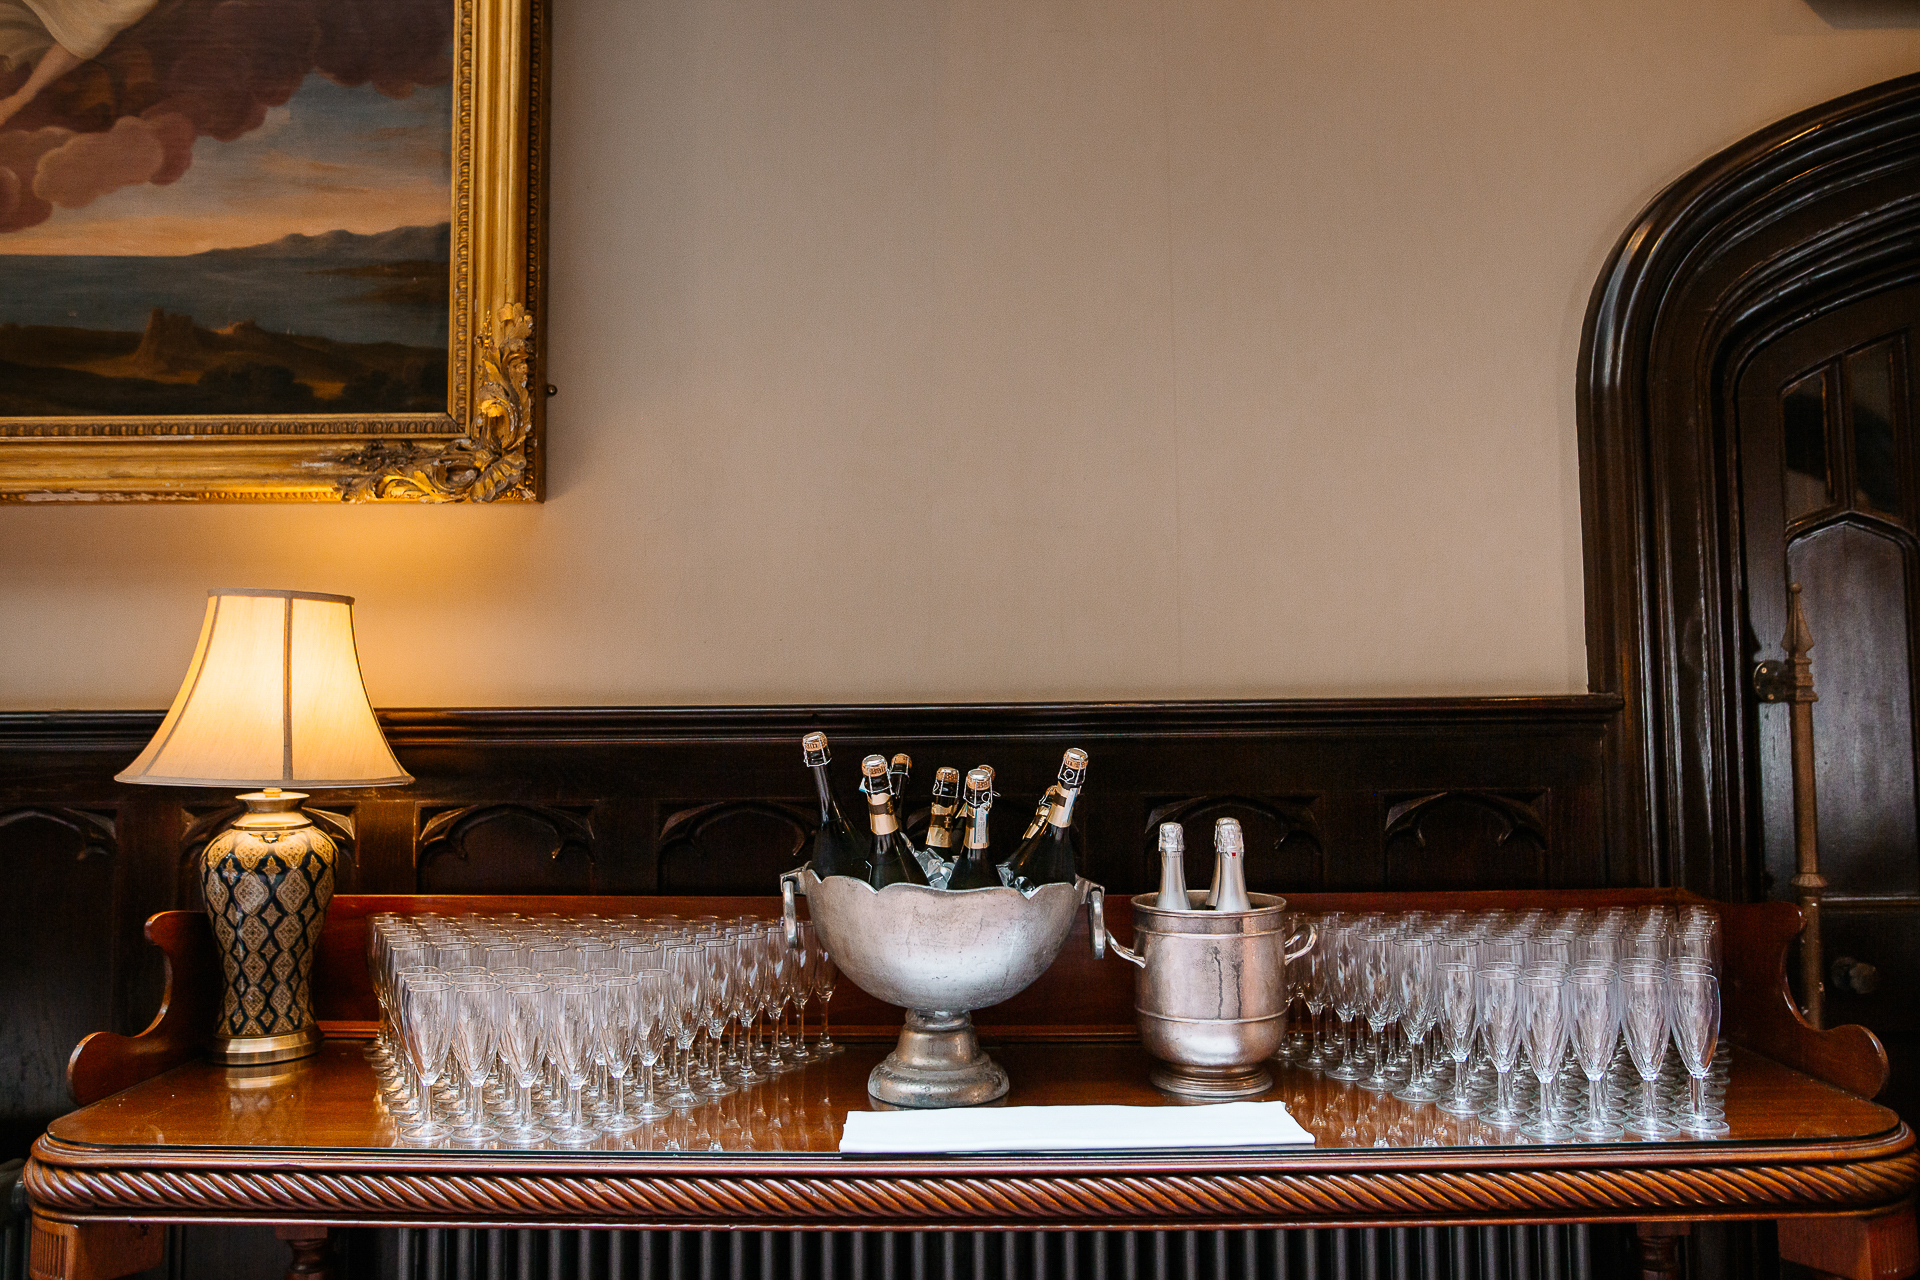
<point>273,699</point>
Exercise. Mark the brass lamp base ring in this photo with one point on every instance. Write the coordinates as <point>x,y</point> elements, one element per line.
<point>246,1051</point>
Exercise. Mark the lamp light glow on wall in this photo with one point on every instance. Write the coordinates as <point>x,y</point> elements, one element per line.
<point>273,699</point>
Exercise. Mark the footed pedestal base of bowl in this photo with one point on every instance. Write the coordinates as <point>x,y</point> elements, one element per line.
<point>1215,1084</point>
<point>937,1063</point>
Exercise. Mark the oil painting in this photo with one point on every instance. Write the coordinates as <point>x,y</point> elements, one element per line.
<point>261,226</point>
<point>239,219</point>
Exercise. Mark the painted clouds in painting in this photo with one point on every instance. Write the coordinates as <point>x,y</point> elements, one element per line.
<point>184,70</point>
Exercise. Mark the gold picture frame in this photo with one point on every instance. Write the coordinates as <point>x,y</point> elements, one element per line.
<point>488,444</point>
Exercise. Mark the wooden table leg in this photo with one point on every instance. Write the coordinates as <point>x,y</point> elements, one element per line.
<point>1878,1246</point>
<point>93,1250</point>
<point>1656,1248</point>
<point>312,1255</point>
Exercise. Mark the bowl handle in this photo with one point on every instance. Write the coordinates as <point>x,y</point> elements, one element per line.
<point>1103,941</point>
<point>789,909</point>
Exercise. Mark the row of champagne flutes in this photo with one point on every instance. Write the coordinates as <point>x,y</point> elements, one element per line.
<point>536,1028</point>
<point>1506,1015</point>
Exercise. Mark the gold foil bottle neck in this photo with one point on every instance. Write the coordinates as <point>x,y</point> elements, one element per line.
<point>814,746</point>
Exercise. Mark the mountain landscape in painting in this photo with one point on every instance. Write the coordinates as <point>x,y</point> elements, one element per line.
<point>333,323</point>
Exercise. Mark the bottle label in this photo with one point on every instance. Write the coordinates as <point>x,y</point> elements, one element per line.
<point>1061,815</point>
<point>882,822</point>
<point>939,838</point>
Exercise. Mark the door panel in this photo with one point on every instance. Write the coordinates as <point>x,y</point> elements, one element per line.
<point>1823,439</point>
<point>1854,581</point>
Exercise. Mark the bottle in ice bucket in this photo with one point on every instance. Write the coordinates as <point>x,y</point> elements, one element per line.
<point>976,868</point>
<point>1173,869</point>
<point>1046,857</point>
<point>1230,867</point>
<point>836,852</point>
<point>891,860</point>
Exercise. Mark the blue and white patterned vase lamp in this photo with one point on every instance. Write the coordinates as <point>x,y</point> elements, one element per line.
<point>273,700</point>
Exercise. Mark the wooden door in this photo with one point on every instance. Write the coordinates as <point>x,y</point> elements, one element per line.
<point>1829,487</point>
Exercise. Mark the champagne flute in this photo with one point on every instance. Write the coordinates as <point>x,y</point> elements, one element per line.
<point>1643,1016</point>
<point>1499,987</point>
<point>826,976</point>
<point>718,1007</point>
<point>1313,975</point>
<point>426,1028</point>
<point>616,1022</point>
<point>1459,1016</point>
<point>522,1017</point>
<point>475,1023</point>
<point>686,977</point>
<point>570,1018</point>
<point>1419,1010</point>
<point>1377,1002</point>
<point>1696,1031</point>
<point>1345,977</point>
<point>750,958</point>
<point>1544,1011</point>
<point>1595,1024</point>
<point>650,1030</point>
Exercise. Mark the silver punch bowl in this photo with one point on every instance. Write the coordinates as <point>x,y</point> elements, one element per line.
<point>939,954</point>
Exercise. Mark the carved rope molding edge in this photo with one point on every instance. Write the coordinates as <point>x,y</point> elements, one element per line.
<point>1751,1190</point>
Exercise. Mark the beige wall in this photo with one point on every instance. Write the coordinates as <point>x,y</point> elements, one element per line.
<point>1019,349</point>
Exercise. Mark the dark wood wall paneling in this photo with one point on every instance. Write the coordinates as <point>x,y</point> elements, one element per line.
<point>1356,795</point>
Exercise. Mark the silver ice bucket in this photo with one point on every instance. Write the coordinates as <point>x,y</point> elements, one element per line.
<point>939,954</point>
<point>1211,994</point>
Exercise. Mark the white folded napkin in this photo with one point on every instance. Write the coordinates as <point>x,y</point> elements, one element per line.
<point>1096,1128</point>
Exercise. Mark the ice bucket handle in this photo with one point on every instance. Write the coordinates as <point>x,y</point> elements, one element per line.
<point>1312,935</point>
<point>1097,918</point>
<point>1104,941</point>
<point>789,909</point>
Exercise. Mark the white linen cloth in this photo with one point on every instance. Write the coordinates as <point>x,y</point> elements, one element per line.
<point>1092,1128</point>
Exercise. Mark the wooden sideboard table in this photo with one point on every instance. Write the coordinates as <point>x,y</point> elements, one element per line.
<point>305,1146</point>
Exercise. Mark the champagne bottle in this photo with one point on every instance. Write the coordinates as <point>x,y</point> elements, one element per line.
<point>835,850</point>
<point>1041,810</point>
<point>1230,866</point>
<point>1173,869</point>
<point>975,869</point>
<point>892,860</point>
<point>1047,857</point>
<point>941,815</point>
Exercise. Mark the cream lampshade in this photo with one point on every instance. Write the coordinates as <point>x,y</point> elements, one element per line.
<point>273,699</point>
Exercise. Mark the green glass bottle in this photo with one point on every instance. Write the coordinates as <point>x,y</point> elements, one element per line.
<point>891,859</point>
<point>1046,857</point>
<point>976,868</point>
<point>835,851</point>
<point>943,811</point>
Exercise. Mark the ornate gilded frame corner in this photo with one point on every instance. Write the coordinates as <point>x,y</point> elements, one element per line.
<point>489,444</point>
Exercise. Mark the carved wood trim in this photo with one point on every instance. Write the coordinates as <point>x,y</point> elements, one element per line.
<point>1808,214</point>
<point>96,830</point>
<point>933,1194</point>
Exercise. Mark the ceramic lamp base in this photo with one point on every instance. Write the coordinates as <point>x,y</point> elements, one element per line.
<point>937,1063</point>
<point>267,880</point>
<point>253,1051</point>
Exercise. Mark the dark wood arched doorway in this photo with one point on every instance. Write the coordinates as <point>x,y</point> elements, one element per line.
<point>1746,400</point>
